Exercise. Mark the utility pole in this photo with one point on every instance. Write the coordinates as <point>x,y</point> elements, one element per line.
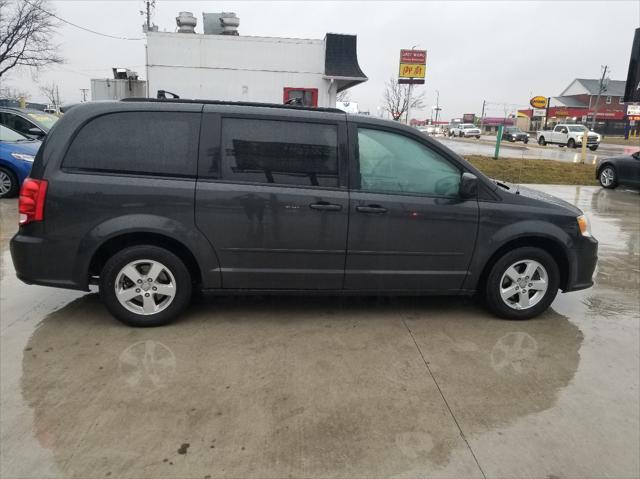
<point>409,102</point>
<point>484,102</point>
<point>84,93</point>
<point>601,88</point>
<point>437,105</point>
<point>148,15</point>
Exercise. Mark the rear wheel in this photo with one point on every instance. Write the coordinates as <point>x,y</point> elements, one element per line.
<point>522,284</point>
<point>593,148</point>
<point>145,286</point>
<point>608,177</point>
<point>8,183</point>
<point>571,143</point>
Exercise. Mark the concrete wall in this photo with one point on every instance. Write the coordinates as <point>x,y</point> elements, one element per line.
<point>236,68</point>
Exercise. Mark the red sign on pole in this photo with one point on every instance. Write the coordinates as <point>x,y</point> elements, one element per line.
<point>413,56</point>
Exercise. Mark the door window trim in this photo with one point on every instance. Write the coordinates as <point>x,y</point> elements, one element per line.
<point>354,158</point>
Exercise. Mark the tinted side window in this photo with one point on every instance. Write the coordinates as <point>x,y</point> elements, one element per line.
<point>156,143</point>
<point>18,123</point>
<point>392,163</point>
<point>279,152</point>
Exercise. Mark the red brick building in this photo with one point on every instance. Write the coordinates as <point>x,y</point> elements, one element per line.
<point>577,104</point>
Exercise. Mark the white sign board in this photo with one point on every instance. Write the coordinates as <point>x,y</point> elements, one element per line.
<point>633,109</point>
<point>539,112</point>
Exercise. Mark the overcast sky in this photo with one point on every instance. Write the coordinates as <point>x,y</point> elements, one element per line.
<point>502,52</point>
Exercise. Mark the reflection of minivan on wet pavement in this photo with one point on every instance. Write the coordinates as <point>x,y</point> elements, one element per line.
<point>153,199</point>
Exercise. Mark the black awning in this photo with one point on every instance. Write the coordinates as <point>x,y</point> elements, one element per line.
<point>341,60</point>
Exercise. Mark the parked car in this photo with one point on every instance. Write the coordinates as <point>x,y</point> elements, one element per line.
<point>30,123</point>
<point>16,157</point>
<point>619,171</point>
<point>153,199</point>
<point>431,130</point>
<point>569,135</point>
<point>465,130</point>
<point>513,134</point>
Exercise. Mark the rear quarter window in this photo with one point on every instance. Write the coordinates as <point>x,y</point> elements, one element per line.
<point>154,143</point>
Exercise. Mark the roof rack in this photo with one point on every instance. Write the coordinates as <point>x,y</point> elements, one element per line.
<point>234,103</point>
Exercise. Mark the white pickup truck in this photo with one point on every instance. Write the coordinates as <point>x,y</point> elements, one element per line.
<point>568,135</point>
<point>465,130</point>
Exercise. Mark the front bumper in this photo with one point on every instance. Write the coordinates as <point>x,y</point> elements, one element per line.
<point>585,258</point>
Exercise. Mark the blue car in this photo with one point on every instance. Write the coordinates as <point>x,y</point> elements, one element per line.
<point>16,157</point>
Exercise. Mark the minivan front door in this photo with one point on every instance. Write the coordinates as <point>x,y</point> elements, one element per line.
<point>272,200</point>
<point>409,230</point>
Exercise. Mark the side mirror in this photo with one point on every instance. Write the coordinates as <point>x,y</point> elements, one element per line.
<point>468,186</point>
<point>36,131</point>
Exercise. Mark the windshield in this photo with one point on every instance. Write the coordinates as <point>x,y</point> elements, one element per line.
<point>468,125</point>
<point>513,130</point>
<point>576,128</point>
<point>43,119</point>
<point>7,134</point>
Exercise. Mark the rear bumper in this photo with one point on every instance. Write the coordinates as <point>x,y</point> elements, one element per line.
<point>584,265</point>
<point>41,262</point>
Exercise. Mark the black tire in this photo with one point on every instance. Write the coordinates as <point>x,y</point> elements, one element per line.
<point>571,143</point>
<point>12,189</point>
<point>541,141</point>
<point>492,288</point>
<point>477,137</point>
<point>112,268</point>
<point>525,141</point>
<point>608,170</point>
<point>593,148</point>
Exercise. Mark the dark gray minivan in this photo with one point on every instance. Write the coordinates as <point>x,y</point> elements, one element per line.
<point>154,199</point>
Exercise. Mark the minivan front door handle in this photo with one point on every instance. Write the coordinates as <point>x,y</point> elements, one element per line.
<point>324,206</point>
<point>371,209</point>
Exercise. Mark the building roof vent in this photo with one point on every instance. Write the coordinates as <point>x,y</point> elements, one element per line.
<point>186,22</point>
<point>223,23</point>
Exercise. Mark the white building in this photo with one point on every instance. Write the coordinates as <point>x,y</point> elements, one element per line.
<point>253,69</point>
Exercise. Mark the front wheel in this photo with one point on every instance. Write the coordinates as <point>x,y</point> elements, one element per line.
<point>608,177</point>
<point>522,283</point>
<point>8,183</point>
<point>593,148</point>
<point>525,141</point>
<point>477,137</point>
<point>145,286</point>
<point>541,141</point>
<point>571,143</point>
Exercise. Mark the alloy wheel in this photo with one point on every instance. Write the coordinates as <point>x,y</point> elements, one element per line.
<point>6,183</point>
<point>607,177</point>
<point>145,287</point>
<point>524,284</point>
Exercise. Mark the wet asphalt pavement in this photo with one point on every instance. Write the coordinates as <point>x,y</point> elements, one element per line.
<point>331,387</point>
<point>486,146</point>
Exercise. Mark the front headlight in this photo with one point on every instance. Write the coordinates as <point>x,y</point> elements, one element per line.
<point>23,157</point>
<point>584,225</point>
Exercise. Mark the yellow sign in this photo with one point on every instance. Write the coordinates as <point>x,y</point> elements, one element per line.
<point>538,102</point>
<point>412,70</point>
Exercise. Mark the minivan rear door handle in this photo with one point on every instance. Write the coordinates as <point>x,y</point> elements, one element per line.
<point>376,209</point>
<point>324,206</point>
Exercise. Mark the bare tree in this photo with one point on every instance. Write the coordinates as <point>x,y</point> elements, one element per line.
<point>396,99</point>
<point>26,30</point>
<point>10,93</point>
<point>51,93</point>
<point>343,96</point>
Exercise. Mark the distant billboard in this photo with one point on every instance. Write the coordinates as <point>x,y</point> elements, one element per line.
<point>413,67</point>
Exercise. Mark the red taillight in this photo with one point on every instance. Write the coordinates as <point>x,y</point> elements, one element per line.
<point>31,203</point>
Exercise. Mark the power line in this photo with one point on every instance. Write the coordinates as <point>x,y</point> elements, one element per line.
<point>79,26</point>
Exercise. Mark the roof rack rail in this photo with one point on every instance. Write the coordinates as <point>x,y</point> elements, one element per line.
<point>234,103</point>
